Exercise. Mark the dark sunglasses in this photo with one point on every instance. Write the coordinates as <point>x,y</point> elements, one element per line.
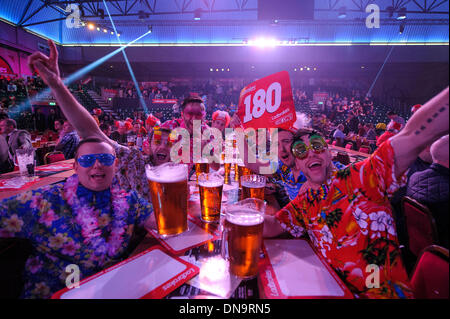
<point>89,159</point>
<point>317,145</point>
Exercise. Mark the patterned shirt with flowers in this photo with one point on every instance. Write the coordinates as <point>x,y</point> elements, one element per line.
<point>69,224</point>
<point>131,170</point>
<point>349,220</point>
<point>286,178</point>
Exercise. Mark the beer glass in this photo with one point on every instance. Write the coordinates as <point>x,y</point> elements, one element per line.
<point>169,195</point>
<point>201,167</point>
<point>210,186</point>
<point>131,139</point>
<point>242,236</point>
<point>227,168</point>
<point>253,186</point>
<point>242,171</point>
<point>236,172</point>
<point>25,160</point>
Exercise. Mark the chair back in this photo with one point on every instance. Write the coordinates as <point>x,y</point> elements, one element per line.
<point>364,149</point>
<point>420,225</point>
<point>53,157</point>
<point>349,146</point>
<point>429,278</point>
<point>334,143</point>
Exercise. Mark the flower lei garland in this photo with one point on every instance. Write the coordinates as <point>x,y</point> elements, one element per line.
<point>87,217</point>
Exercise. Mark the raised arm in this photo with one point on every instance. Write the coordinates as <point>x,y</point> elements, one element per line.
<point>76,114</point>
<point>427,124</point>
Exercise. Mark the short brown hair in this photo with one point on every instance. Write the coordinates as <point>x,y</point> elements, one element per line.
<point>191,99</point>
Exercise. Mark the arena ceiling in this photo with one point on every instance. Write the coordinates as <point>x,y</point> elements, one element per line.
<point>227,22</point>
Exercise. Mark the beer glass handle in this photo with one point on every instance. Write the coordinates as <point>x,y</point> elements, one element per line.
<point>224,246</point>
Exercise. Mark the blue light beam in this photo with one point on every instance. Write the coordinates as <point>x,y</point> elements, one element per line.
<point>79,74</point>
<point>379,72</point>
<point>136,85</point>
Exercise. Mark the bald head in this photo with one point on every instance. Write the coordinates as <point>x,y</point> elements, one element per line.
<point>439,151</point>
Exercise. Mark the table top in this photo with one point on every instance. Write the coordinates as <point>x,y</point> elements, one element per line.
<point>53,176</point>
<point>347,151</point>
<point>206,255</point>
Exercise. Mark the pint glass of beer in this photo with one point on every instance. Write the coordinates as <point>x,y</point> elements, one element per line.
<point>242,171</point>
<point>169,194</point>
<point>253,186</point>
<point>227,168</point>
<point>210,186</point>
<point>242,236</point>
<point>201,167</point>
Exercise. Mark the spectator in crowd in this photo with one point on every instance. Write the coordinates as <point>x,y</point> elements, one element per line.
<point>361,129</point>
<point>106,129</point>
<point>220,120</point>
<point>339,135</point>
<point>370,135</point>
<point>150,123</point>
<point>68,141</point>
<point>396,122</point>
<point>347,213</point>
<point>14,137</point>
<point>5,162</point>
<point>51,118</point>
<point>121,134</point>
<point>430,187</point>
<point>59,126</point>
<point>88,221</point>
<point>176,110</point>
<point>351,124</point>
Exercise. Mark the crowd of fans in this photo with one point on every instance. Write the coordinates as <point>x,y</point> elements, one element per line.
<point>345,117</point>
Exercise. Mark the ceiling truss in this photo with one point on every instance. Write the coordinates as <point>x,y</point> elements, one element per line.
<point>94,9</point>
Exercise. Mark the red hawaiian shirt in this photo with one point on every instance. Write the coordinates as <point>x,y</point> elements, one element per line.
<point>349,220</point>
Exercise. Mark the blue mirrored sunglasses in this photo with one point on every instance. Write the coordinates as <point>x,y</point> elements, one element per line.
<point>89,159</point>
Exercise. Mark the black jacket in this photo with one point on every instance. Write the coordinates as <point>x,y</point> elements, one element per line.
<point>430,187</point>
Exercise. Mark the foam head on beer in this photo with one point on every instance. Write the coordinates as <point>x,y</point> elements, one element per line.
<point>167,173</point>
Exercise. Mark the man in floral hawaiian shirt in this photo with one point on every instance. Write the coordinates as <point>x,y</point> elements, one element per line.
<point>130,161</point>
<point>87,221</point>
<point>347,214</point>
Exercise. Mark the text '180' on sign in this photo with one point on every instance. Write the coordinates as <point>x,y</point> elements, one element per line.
<point>268,103</point>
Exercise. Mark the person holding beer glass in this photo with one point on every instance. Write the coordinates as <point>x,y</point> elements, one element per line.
<point>347,213</point>
<point>88,221</point>
<point>131,162</point>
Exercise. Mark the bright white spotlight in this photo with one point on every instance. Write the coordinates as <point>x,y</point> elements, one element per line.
<point>263,42</point>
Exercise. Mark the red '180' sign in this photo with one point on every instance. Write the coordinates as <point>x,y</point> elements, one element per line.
<point>268,103</point>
